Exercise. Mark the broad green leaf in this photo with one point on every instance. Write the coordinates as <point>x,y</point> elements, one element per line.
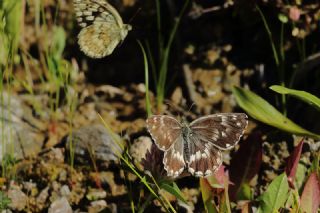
<point>262,111</point>
<point>276,195</point>
<point>174,190</point>
<point>302,95</point>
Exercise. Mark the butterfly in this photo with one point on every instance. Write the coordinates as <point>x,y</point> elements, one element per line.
<point>102,27</point>
<point>196,146</point>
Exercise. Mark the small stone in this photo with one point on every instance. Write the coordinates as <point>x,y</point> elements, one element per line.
<point>18,199</point>
<point>93,141</point>
<point>60,205</point>
<point>43,196</point>
<point>139,148</point>
<point>65,191</point>
<point>97,206</point>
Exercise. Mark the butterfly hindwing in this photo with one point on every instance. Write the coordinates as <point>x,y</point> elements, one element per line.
<point>102,27</point>
<point>204,158</point>
<point>164,130</point>
<point>173,159</point>
<point>223,130</point>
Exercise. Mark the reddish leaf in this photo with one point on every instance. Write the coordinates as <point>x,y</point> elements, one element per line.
<point>310,198</point>
<point>246,163</point>
<point>219,178</point>
<point>292,163</point>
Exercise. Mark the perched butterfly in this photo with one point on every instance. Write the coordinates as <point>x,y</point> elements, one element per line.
<point>102,27</point>
<point>196,147</point>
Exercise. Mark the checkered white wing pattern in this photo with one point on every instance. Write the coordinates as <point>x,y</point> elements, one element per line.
<point>102,27</point>
<point>222,130</point>
<point>204,158</point>
<point>164,130</point>
<point>173,159</point>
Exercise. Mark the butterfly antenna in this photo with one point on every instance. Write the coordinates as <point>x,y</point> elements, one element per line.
<point>134,15</point>
<point>193,104</point>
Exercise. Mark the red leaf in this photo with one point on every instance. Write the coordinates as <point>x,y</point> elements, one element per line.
<point>246,163</point>
<point>292,163</point>
<point>310,198</point>
<point>219,178</point>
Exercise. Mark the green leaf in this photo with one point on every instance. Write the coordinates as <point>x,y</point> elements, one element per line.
<point>276,195</point>
<point>174,190</point>
<point>244,192</point>
<point>302,95</point>
<point>300,175</point>
<point>262,111</point>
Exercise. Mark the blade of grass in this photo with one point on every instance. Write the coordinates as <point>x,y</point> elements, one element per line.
<point>146,79</point>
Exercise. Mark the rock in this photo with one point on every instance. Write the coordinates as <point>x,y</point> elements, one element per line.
<point>139,149</point>
<point>60,205</point>
<point>93,141</point>
<point>18,199</point>
<point>97,206</point>
<point>42,197</point>
<point>65,191</point>
<point>21,138</point>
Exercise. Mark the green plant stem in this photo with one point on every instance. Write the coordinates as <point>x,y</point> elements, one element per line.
<point>152,63</point>
<point>279,62</point>
<point>274,50</point>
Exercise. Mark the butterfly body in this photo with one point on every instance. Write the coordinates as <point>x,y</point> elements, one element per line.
<point>196,146</point>
<point>186,132</point>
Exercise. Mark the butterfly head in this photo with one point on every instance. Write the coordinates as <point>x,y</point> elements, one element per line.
<point>124,32</point>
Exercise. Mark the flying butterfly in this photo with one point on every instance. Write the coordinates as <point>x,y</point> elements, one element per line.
<point>102,27</point>
<point>196,146</point>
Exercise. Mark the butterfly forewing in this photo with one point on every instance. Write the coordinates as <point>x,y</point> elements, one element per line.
<point>223,130</point>
<point>164,130</point>
<point>173,159</point>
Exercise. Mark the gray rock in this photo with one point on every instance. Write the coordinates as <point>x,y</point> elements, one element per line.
<point>139,148</point>
<point>43,196</point>
<point>97,206</point>
<point>65,191</point>
<point>93,142</point>
<point>18,128</point>
<point>60,205</point>
<point>18,199</point>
